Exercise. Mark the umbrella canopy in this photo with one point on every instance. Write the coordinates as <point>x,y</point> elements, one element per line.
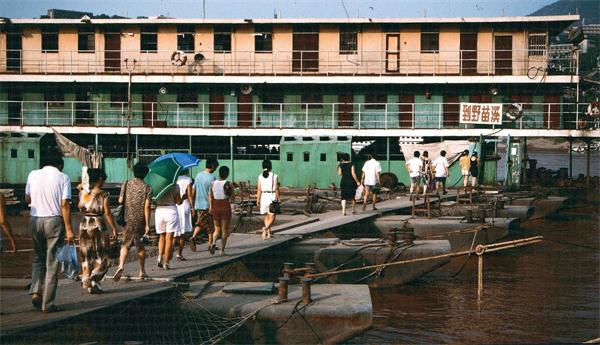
<point>162,176</point>
<point>184,159</point>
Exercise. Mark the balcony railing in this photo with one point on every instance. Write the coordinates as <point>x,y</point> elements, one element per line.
<point>277,115</point>
<point>534,64</point>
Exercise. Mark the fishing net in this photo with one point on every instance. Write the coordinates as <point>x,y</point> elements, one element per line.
<point>169,318</point>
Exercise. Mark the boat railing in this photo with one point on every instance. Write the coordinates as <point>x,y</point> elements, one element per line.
<point>429,115</point>
<point>534,63</point>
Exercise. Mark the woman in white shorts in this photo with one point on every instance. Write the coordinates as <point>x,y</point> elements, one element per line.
<point>185,213</point>
<point>167,223</point>
<point>267,192</point>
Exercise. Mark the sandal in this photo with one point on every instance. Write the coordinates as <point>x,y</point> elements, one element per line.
<point>181,258</point>
<point>118,274</point>
<point>212,249</point>
<point>142,276</point>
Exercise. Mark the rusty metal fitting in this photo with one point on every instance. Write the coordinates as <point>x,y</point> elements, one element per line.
<point>282,288</point>
<point>288,269</point>
<point>311,268</point>
<point>306,297</point>
<point>479,250</point>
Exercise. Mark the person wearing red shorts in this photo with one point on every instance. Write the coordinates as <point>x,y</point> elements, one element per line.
<point>220,208</point>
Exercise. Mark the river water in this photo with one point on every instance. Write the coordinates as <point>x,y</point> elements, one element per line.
<point>546,293</point>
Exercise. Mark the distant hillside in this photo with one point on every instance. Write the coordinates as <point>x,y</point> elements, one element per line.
<point>588,9</point>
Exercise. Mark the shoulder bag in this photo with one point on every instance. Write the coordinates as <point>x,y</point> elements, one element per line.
<point>275,206</point>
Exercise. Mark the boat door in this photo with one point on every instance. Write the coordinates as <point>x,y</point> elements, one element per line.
<point>392,53</point>
<point>305,46</point>
<point>503,54</point>
<point>83,106</point>
<point>149,98</point>
<point>468,53</point>
<point>244,110</point>
<point>14,46</point>
<point>112,51</point>
<point>15,106</point>
<point>346,109</point>
<point>216,108</point>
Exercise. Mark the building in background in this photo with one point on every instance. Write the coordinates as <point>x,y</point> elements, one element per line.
<point>244,90</point>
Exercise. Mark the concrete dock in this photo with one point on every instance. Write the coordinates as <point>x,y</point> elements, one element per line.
<point>19,316</point>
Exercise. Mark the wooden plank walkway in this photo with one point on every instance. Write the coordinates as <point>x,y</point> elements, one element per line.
<point>18,315</point>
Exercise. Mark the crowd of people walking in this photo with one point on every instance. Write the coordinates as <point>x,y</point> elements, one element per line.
<point>185,210</point>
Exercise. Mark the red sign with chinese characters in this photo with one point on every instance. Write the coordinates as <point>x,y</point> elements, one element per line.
<point>481,113</point>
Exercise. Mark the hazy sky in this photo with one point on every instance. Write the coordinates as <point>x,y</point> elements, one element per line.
<point>287,8</point>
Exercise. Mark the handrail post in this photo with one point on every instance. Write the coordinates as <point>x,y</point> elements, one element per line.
<point>548,105</point>
<point>177,112</point>
<point>72,113</point>
<point>254,116</point>
<point>359,117</point>
<point>385,124</point>
<point>97,113</point>
<point>47,115</point>
<point>440,115</point>
<point>203,113</point>
<point>280,115</point>
<point>306,116</point>
<point>413,115</point>
<point>22,114</point>
<point>152,114</point>
<point>229,114</point>
<point>332,115</point>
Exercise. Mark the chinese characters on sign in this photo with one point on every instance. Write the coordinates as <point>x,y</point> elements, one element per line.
<point>481,113</point>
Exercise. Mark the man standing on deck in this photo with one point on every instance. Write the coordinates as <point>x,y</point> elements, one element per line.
<point>440,165</point>
<point>370,178</point>
<point>48,192</point>
<point>200,208</point>
<point>414,167</point>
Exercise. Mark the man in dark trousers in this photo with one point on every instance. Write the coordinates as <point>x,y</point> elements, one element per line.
<point>48,192</point>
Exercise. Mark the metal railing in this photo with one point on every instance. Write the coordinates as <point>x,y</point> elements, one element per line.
<point>278,115</point>
<point>294,62</point>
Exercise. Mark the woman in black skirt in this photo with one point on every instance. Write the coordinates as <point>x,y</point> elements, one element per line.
<point>348,183</point>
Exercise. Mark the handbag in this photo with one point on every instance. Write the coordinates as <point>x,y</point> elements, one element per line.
<point>67,256</point>
<point>114,250</point>
<point>359,192</point>
<point>121,208</point>
<point>275,206</point>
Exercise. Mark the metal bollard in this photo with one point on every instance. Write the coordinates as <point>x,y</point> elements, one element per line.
<point>306,298</point>
<point>282,289</point>
<point>288,269</point>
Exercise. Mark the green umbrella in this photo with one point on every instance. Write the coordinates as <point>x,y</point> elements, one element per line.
<point>162,176</point>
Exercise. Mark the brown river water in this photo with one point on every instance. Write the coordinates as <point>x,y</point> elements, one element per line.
<point>541,294</point>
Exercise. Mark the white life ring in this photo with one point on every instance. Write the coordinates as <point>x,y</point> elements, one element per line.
<point>178,58</point>
<point>593,109</point>
<point>514,111</point>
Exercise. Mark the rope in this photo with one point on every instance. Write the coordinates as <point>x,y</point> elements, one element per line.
<point>387,260</point>
<point>479,251</point>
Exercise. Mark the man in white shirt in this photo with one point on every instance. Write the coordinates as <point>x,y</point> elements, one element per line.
<point>371,171</point>
<point>48,192</point>
<point>440,165</point>
<point>414,167</point>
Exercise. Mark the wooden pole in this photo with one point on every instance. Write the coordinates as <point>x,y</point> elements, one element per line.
<point>588,152</point>
<point>570,158</point>
<point>479,278</point>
